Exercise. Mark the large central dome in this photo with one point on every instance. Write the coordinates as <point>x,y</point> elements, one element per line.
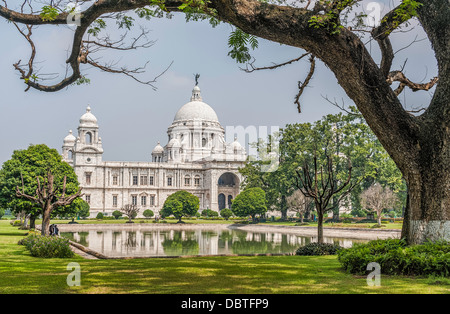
<point>196,109</point>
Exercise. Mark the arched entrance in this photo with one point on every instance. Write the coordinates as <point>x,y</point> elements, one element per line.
<point>228,188</point>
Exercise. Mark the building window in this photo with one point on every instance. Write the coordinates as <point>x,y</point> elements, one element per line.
<point>169,181</point>
<point>144,180</point>
<point>135,180</point>
<point>88,138</point>
<point>197,181</point>
<point>143,200</point>
<point>152,200</point>
<point>133,200</point>
<point>88,178</point>
<point>115,180</point>
<point>114,200</point>
<point>151,182</point>
<point>88,198</point>
<point>187,180</point>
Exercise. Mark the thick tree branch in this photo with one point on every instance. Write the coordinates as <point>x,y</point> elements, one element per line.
<point>398,76</point>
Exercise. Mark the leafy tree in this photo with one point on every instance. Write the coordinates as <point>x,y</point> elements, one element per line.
<point>79,208</point>
<point>340,135</point>
<point>148,213</point>
<point>117,214</point>
<point>250,202</point>
<point>181,204</point>
<point>38,169</point>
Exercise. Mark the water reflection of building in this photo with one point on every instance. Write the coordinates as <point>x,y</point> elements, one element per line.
<point>162,242</point>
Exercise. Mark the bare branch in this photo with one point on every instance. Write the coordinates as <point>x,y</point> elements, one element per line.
<point>274,66</point>
<point>398,76</point>
<point>302,85</point>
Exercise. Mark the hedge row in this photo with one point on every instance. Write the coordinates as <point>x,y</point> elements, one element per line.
<point>396,258</point>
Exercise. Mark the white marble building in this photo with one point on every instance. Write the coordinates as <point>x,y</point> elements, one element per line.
<point>196,159</point>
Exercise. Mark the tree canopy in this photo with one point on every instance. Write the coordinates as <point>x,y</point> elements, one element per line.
<point>181,204</point>
<point>28,167</point>
<point>250,202</point>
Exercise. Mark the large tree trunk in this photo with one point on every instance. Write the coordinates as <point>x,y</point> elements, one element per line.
<point>427,214</point>
<point>319,226</point>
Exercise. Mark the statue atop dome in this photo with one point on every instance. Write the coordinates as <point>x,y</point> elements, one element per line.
<point>197,76</point>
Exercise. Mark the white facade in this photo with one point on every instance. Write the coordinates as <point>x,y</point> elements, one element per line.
<point>196,159</point>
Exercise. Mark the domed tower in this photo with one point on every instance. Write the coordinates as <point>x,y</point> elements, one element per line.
<point>197,128</point>
<point>158,153</point>
<point>68,148</point>
<point>88,146</point>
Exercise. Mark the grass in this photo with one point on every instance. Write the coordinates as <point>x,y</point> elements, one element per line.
<point>22,273</point>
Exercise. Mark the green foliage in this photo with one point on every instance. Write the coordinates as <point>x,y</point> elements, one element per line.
<point>396,258</point>
<point>318,249</point>
<point>239,42</point>
<point>125,21</point>
<point>99,216</point>
<point>180,204</point>
<point>47,246</point>
<point>48,13</point>
<point>30,163</point>
<point>82,80</point>
<point>226,213</point>
<point>148,213</point>
<point>79,208</point>
<point>250,202</point>
<point>330,20</point>
<point>95,29</point>
<point>117,214</point>
<point>404,12</point>
<point>346,137</point>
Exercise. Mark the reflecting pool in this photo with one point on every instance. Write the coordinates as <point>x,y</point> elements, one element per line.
<point>165,242</point>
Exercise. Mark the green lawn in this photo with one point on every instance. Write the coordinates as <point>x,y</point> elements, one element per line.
<point>22,273</point>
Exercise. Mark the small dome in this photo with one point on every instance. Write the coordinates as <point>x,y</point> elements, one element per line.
<point>158,149</point>
<point>70,139</point>
<point>196,109</point>
<point>173,143</point>
<point>88,119</point>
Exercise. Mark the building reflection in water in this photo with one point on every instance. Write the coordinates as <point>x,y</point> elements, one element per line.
<point>160,242</point>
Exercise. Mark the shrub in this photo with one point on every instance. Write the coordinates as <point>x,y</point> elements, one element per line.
<point>99,216</point>
<point>148,213</point>
<point>396,258</point>
<point>226,213</point>
<point>318,249</point>
<point>117,214</point>
<point>47,246</point>
<point>209,213</point>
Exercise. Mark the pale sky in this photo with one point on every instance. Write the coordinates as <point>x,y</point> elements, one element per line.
<point>133,117</point>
